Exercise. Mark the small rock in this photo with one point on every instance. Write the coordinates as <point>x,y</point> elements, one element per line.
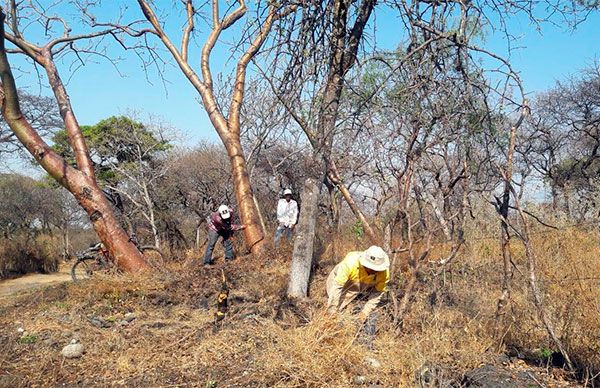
<point>129,317</point>
<point>73,350</point>
<point>493,376</point>
<point>99,322</point>
<point>372,362</point>
<point>124,322</point>
<point>20,330</point>
<point>359,380</point>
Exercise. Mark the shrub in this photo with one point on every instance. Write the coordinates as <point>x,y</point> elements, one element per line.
<point>24,254</point>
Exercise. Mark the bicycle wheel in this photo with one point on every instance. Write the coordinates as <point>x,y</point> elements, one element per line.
<point>154,257</point>
<point>83,268</point>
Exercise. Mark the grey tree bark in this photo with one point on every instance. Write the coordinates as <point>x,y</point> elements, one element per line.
<point>304,242</point>
<point>344,47</point>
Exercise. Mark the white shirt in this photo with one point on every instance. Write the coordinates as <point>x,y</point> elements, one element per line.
<point>287,212</point>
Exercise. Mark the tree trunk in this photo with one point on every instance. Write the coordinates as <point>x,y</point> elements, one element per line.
<point>263,225</point>
<point>387,237</point>
<point>439,214</point>
<point>253,234</point>
<point>304,241</point>
<point>344,44</point>
<point>80,149</point>
<point>503,208</point>
<point>334,213</point>
<point>66,242</point>
<point>81,185</point>
<point>155,233</point>
<point>198,228</point>
<point>228,128</point>
<point>151,216</point>
<point>533,284</point>
<point>335,178</point>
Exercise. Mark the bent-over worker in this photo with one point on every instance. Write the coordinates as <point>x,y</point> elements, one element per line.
<point>360,273</point>
<point>219,225</point>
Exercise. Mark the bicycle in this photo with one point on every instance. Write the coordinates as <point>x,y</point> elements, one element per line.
<point>97,259</point>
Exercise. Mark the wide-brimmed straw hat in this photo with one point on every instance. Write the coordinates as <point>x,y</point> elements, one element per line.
<point>375,258</point>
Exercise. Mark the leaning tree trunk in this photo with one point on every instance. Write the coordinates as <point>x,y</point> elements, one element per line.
<point>335,178</point>
<point>80,183</point>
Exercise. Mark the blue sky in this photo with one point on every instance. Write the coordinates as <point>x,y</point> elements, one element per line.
<point>98,91</point>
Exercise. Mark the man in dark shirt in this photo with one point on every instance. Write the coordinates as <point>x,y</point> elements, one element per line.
<point>220,225</point>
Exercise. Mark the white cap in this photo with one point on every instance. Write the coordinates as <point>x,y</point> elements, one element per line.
<point>287,192</point>
<point>375,258</point>
<point>224,211</point>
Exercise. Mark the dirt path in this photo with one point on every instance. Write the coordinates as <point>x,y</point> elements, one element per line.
<point>32,281</point>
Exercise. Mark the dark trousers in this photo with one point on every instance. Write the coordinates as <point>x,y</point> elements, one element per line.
<point>212,241</point>
<point>282,231</point>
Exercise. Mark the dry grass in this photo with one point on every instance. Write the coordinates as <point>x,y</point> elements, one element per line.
<point>270,341</point>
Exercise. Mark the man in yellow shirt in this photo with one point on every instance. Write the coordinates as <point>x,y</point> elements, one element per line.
<point>360,273</point>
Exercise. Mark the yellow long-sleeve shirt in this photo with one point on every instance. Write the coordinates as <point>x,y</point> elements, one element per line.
<point>350,278</point>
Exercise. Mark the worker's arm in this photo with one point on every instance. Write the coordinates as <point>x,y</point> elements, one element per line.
<point>280,211</point>
<point>335,293</point>
<point>372,302</point>
<point>334,290</point>
<point>376,295</point>
<point>294,215</point>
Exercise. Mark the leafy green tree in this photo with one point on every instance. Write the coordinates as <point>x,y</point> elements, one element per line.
<point>128,158</point>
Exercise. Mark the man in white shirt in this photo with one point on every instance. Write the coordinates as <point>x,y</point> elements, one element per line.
<point>287,215</point>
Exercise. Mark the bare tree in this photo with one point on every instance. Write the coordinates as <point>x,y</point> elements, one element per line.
<point>200,181</point>
<point>226,123</point>
<point>563,140</point>
<point>340,32</point>
<point>41,112</point>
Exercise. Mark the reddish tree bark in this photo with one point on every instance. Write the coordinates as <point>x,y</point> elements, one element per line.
<point>79,181</point>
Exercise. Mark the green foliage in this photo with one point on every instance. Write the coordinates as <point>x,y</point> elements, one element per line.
<point>27,339</point>
<point>117,142</point>
<point>473,27</point>
<point>545,353</point>
<point>62,305</point>
<point>589,4</point>
<point>358,230</point>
